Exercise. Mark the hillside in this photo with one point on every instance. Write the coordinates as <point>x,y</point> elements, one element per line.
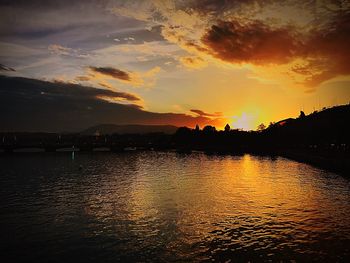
<point>329,126</point>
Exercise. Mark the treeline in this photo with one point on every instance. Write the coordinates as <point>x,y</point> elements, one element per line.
<point>328,129</point>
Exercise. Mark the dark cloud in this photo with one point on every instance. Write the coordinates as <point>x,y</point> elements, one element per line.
<point>123,95</point>
<point>112,72</point>
<point>205,114</point>
<point>327,51</point>
<point>254,42</point>
<point>35,105</point>
<point>5,68</point>
<point>324,50</point>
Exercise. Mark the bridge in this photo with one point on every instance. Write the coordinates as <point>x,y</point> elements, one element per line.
<point>48,142</point>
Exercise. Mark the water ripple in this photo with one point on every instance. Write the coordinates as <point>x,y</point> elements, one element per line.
<point>162,206</point>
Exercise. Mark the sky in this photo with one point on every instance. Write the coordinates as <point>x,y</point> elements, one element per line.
<point>206,62</point>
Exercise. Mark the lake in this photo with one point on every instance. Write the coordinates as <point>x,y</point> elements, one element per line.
<point>164,206</point>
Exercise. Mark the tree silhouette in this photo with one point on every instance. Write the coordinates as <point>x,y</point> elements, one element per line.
<point>209,129</point>
<point>261,127</point>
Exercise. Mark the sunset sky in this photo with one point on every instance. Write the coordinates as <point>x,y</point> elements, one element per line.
<point>171,62</point>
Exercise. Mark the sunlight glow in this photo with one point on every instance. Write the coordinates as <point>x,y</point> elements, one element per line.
<point>246,121</point>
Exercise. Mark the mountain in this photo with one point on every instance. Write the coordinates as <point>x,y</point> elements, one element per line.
<point>129,129</point>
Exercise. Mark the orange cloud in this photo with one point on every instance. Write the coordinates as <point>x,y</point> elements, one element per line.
<point>82,78</point>
<point>193,62</point>
<point>253,42</point>
<point>205,114</point>
<point>324,51</point>
<point>264,33</point>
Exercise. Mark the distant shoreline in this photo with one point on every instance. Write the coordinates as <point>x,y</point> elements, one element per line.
<point>337,164</point>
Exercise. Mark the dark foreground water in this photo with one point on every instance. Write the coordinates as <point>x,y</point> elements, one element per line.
<point>154,206</point>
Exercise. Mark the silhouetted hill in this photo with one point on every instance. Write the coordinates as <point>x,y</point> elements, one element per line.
<point>324,129</point>
<point>329,126</point>
<point>129,129</point>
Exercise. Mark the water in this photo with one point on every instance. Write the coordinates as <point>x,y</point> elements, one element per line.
<point>157,206</point>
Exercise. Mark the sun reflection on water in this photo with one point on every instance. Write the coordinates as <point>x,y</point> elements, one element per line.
<point>163,206</point>
<point>229,202</point>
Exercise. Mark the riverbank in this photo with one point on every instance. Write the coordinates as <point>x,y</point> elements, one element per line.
<point>339,163</point>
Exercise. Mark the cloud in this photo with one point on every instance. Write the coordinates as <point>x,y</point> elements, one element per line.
<point>327,51</point>
<point>150,77</point>
<point>106,85</point>
<point>82,78</point>
<point>5,68</point>
<point>61,88</point>
<point>254,42</point>
<point>36,105</point>
<point>145,79</point>
<point>324,52</point>
<point>103,73</point>
<point>39,19</point>
<point>109,94</point>
<point>112,72</point>
<point>193,62</point>
<point>152,72</point>
<point>121,95</point>
<point>295,35</point>
<point>150,49</point>
<point>205,114</point>
<point>59,50</point>
<point>259,33</point>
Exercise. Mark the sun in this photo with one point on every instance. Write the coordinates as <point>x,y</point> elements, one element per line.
<point>246,121</point>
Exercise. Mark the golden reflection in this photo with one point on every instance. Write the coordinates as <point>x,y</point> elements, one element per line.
<point>194,196</point>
